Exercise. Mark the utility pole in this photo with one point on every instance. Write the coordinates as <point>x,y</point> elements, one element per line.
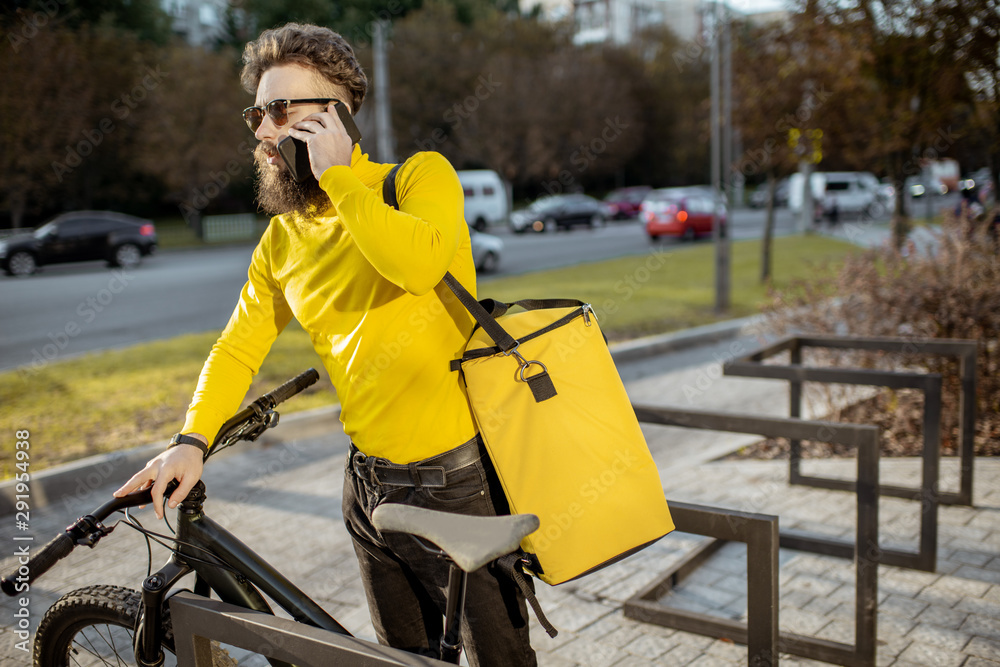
<point>721,241</point>
<point>727,158</point>
<point>383,122</point>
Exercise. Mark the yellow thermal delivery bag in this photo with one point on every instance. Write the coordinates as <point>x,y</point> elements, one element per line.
<point>563,437</point>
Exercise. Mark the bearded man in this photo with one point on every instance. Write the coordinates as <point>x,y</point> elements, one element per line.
<point>364,279</point>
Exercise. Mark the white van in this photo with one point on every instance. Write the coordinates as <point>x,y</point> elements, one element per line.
<point>851,191</point>
<point>485,198</point>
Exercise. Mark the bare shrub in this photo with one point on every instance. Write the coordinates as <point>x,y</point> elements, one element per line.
<point>949,289</point>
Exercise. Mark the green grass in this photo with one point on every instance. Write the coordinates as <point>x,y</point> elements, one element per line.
<point>665,291</point>
<point>122,398</point>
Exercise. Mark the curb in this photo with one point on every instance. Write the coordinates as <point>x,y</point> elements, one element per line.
<point>72,483</point>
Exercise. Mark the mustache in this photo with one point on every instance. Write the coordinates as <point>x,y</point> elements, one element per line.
<point>265,149</point>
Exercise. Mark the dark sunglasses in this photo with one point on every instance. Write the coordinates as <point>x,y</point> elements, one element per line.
<point>278,111</point>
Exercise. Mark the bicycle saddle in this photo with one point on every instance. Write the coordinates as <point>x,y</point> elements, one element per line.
<point>470,541</point>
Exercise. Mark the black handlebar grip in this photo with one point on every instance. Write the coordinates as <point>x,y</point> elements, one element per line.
<point>37,565</point>
<point>293,386</point>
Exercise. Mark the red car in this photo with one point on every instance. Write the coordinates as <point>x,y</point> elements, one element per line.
<point>625,202</point>
<point>684,213</point>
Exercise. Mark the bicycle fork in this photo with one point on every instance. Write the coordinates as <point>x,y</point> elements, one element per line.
<point>148,642</point>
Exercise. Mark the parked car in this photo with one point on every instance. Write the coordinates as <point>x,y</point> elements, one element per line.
<point>849,192</point>
<point>486,251</point>
<point>119,239</point>
<point>758,198</point>
<point>624,202</point>
<point>684,213</point>
<point>485,197</point>
<point>559,212</point>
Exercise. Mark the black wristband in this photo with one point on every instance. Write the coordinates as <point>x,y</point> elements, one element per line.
<point>181,439</point>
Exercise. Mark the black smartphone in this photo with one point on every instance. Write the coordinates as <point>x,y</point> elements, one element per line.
<point>295,153</point>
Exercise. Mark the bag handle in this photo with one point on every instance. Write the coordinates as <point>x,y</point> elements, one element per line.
<point>504,340</point>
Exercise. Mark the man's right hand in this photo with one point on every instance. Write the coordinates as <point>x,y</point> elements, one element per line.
<point>183,463</point>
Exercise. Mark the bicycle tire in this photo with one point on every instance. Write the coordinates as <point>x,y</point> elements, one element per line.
<point>96,624</point>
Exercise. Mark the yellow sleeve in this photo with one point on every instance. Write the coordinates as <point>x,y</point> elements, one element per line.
<point>412,247</point>
<point>260,315</point>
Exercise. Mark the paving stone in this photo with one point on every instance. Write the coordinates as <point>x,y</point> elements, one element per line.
<point>892,646</point>
<point>938,636</point>
<point>683,654</point>
<point>585,652</point>
<point>982,627</point>
<point>976,558</point>
<point>802,622</point>
<point>893,625</point>
<point>796,599</point>
<point>943,617</point>
<point>650,646</point>
<point>982,647</point>
<point>632,661</point>
<point>838,631</point>
<point>901,606</point>
<point>978,573</point>
<point>979,662</point>
<point>928,655</point>
<point>987,608</point>
<point>822,605</point>
<point>712,598</point>
<point>715,661</point>
<point>576,615</point>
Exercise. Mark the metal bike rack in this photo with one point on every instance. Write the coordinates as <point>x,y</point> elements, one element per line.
<point>196,618</point>
<point>864,549</point>
<point>928,494</point>
<point>760,533</point>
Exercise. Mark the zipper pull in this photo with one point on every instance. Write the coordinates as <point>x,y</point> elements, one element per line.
<point>587,310</point>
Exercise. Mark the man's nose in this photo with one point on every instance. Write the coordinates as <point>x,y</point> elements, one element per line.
<point>267,130</point>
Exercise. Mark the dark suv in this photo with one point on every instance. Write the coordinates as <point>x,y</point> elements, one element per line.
<point>119,239</point>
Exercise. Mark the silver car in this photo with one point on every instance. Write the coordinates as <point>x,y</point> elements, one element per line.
<point>486,250</point>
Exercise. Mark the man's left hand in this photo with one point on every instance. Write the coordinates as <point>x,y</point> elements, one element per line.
<point>328,142</point>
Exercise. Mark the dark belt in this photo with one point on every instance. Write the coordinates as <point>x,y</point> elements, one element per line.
<point>430,472</point>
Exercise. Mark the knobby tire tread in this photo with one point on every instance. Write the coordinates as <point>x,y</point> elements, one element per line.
<point>111,605</point>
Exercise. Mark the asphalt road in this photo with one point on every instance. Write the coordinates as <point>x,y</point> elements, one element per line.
<point>66,310</point>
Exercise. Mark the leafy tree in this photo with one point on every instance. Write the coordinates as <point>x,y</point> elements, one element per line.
<point>517,97</point>
<point>74,96</point>
<point>772,99</point>
<point>914,85</point>
<point>146,19</point>
<point>193,139</point>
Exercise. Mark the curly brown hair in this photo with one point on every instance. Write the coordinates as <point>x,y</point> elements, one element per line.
<point>312,46</point>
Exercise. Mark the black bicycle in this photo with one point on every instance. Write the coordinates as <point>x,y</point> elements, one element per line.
<point>112,625</point>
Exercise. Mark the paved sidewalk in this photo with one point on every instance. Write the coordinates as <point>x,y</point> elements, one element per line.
<point>284,501</point>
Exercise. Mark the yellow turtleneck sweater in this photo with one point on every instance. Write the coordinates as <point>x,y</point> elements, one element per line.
<point>364,280</point>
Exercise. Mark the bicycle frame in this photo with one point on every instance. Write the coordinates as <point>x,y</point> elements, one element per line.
<point>255,575</point>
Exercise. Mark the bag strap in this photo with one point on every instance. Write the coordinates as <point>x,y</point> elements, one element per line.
<point>511,565</point>
<point>504,340</point>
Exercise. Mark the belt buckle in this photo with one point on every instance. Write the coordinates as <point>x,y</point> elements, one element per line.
<point>364,468</point>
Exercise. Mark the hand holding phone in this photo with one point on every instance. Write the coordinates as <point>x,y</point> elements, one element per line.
<point>295,152</point>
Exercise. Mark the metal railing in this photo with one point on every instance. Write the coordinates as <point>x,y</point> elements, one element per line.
<point>196,619</point>
<point>927,494</point>
<point>864,549</point>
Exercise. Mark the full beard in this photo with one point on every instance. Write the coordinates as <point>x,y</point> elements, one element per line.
<point>277,191</point>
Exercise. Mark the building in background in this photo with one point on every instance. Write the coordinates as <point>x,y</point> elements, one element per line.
<point>199,22</point>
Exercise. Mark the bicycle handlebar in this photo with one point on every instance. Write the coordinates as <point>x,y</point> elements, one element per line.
<point>90,529</point>
<point>292,387</point>
<point>86,530</point>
